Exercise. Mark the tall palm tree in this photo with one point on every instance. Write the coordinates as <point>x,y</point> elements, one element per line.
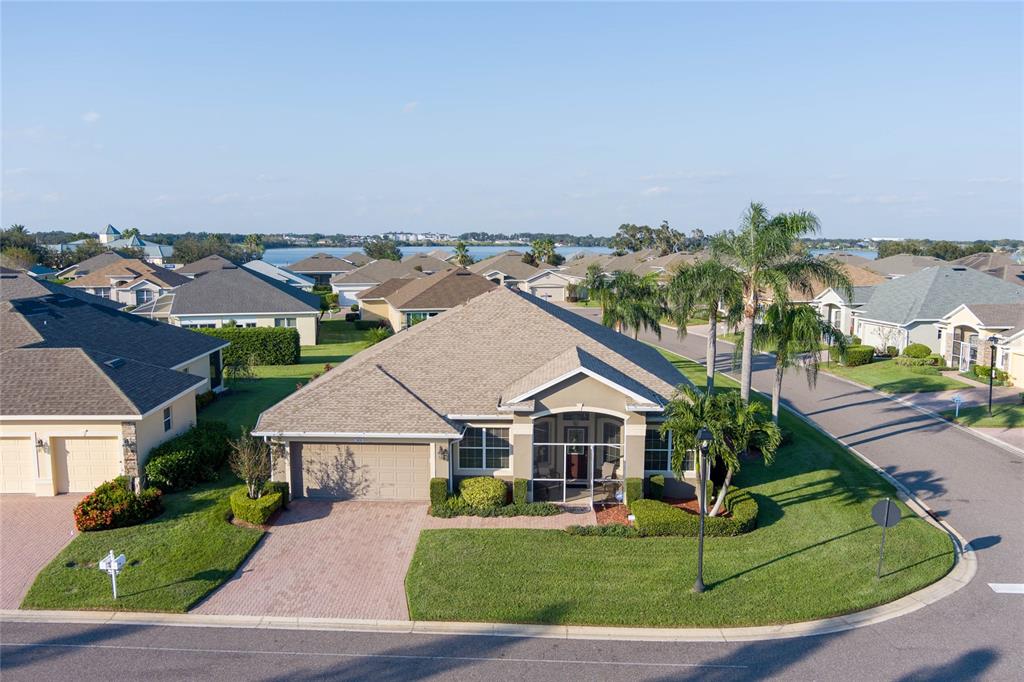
<point>633,302</point>
<point>594,282</point>
<point>764,256</point>
<point>708,288</point>
<point>254,245</point>
<point>742,426</point>
<point>462,257</point>
<point>794,334</point>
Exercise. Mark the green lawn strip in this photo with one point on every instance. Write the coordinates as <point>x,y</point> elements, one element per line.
<point>888,377</point>
<point>1003,416</point>
<point>245,400</point>
<point>174,560</point>
<point>813,555</point>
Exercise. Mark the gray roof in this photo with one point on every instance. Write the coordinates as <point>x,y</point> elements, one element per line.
<point>379,271</point>
<point>509,263</point>
<point>280,274</point>
<point>95,263</point>
<point>212,262</point>
<point>1008,316</point>
<point>320,263</point>
<point>986,260</point>
<point>933,292</point>
<point>236,290</point>
<point>903,264</point>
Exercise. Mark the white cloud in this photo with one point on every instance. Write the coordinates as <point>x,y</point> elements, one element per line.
<point>656,191</point>
<point>90,117</point>
<point>410,107</point>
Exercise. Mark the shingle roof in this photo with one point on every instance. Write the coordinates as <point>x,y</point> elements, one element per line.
<point>89,264</point>
<point>1009,273</point>
<point>509,263</point>
<point>859,278</point>
<point>933,292</point>
<point>212,262</point>
<point>441,291</point>
<point>235,290</point>
<point>356,258</point>
<point>13,285</point>
<point>131,271</point>
<point>380,270</point>
<point>904,264</point>
<point>385,288</point>
<point>462,362</point>
<point>1008,316</point>
<point>986,261</point>
<point>320,262</point>
<point>280,274</point>
<point>852,259</point>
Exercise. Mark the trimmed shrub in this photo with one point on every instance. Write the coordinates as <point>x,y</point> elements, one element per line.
<point>610,530</point>
<point>254,511</point>
<point>907,361</point>
<point>483,492</point>
<point>204,399</point>
<point>188,459</point>
<point>937,360</point>
<point>457,506</point>
<point>982,372</point>
<point>859,355</point>
<point>351,317</point>
<point>363,325</point>
<point>634,490</point>
<point>917,350</point>
<point>278,487</point>
<point>354,307</point>
<point>656,487</point>
<point>328,301</point>
<point>378,334</point>
<point>892,351</point>
<point>854,340</point>
<point>115,505</point>
<point>263,345</point>
<point>654,518</point>
<point>520,489</point>
<point>438,492</point>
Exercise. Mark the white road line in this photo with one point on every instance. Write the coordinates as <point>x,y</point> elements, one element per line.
<point>1007,588</point>
<point>331,654</point>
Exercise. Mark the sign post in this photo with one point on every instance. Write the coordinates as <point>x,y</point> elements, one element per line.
<point>113,566</point>
<point>958,401</point>
<point>886,514</point>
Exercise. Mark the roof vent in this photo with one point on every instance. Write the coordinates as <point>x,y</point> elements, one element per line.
<point>115,363</point>
<point>959,268</point>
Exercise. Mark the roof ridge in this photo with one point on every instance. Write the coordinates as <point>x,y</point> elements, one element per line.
<point>117,389</point>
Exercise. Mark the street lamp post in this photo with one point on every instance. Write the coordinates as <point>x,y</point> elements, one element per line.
<point>992,340</point>
<point>703,444</point>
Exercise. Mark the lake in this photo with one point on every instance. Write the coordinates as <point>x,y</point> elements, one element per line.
<point>291,255</point>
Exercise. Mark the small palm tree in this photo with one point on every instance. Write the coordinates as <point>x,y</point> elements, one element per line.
<point>633,302</point>
<point>254,245</point>
<point>688,411</point>
<point>708,288</point>
<point>742,426</point>
<point>462,257</point>
<point>594,282</point>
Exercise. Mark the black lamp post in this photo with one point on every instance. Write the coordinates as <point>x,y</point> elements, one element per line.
<point>703,444</point>
<point>992,340</point>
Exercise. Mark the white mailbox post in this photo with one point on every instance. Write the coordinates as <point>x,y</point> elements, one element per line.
<point>112,565</point>
<point>957,400</point>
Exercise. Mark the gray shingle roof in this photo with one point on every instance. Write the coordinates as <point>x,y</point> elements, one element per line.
<point>933,292</point>
<point>378,271</point>
<point>320,262</point>
<point>212,262</point>
<point>278,273</point>
<point>903,264</point>
<point>235,290</point>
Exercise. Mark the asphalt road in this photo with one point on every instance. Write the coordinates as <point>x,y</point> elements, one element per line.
<point>973,634</point>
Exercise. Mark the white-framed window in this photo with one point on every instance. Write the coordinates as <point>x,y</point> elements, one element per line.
<point>168,420</point>
<point>484,448</point>
<point>284,322</point>
<point>416,318</point>
<point>102,292</point>
<point>658,452</point>
<point>198,325</point>
<point>144,296</point>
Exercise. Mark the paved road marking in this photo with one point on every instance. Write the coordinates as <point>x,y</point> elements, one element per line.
<point>1007,588</point>
<point>332,654</point>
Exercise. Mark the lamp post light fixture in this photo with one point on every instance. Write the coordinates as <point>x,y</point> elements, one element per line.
<point>992,341</point>
<point>703,445</point>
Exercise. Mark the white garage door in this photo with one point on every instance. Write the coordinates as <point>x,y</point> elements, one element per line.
<point>84,463</point>
<point>17,465</point>
<point>372,471</point>
<point>549,293</point>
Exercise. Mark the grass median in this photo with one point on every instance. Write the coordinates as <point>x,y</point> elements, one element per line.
<point>888,377</point>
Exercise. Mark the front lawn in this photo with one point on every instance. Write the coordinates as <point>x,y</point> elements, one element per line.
<point>174,560</point>
<point>244,402</point>
<point>813,555</point>
<point>1003,416</point>
<point>888,377</point>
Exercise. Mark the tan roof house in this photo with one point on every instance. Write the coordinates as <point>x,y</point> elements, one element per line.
<point>88,265</point>
<point>89,390</point>
<point>405,302</point>
<point>128,281</point>
<point>321,267</point>
<point>505,268</point>
<point>903,264</point>
<point>970,331</point>
<point>505,385</point>
<point>348,284</point>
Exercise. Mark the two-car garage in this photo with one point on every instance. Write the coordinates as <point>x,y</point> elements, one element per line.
<point>368,471</point>
<point>78,464</point>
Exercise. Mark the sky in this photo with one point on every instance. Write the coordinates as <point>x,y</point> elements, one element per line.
<point>883,119</point>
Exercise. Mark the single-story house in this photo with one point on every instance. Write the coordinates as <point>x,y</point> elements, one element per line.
<point>988,260</point>
<point>966,334</point>
<point>405,302</point>
<point>348,284</point>
<point>505,268</point>
<point>280,274</point>
<point>88,390</point>
<point>903,264</point>
<point>110,237</point>
<point>852,259</point>
<point>239,297</point>
<point>551,282</point>
<point>835,308</point>
<point>129,281</point>
<point>88,265</point>
<point>506,385</point>
<point>908,309</point>
<point>204,265</point>
<point>321,267</point>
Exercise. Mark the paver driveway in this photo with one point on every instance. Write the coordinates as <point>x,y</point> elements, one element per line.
<point>325,559</point>
<point>32,531</point>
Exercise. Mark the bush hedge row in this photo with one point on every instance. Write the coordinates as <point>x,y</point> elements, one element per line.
<point>483,492</point>
<point>656,487</point>
<point>456,506</point>
<point>859,355</point>
<point>444,506</point>
<point>114,504</point>
<point>261,345</point>
<point>520,488</point>
<point>188,459</point>
<point>982,372</point>
<point>634,489</point>
<point>255,511</point>
<point>613,530</point>
<point>654,518</point>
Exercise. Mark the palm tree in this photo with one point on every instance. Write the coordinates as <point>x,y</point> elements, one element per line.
<point>742,425</point>
<point>130,232</point>
<point>594,282</point>
<point>462,257</point>
<point>709,288</point>
<point>763,255</point>
<point>254,244</point>
<point>630,301</point>
<point>794,333</point>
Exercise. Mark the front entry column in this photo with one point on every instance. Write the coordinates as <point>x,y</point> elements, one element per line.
<point>521,435</point>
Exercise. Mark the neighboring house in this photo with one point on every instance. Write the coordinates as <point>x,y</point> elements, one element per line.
<point>110,237</point>
<point>851,259</point>
<point>280,274</point>
<point>968,333</point>
<point>321,267</point>
<point>908,309</point>
<point>833,304</point>
<point>348,284</point>
<point>506,385</point>
<point>88,265</point>
<point>204,265</point>
<point>406,302</point>
<point>442,254</point>
<point>89,390</point>
<point>236,296</point>
<point>129,281</point>
<point>986,261</point>
<point>903,264</point>
<point>1010,273</point>
<point>505,268</point>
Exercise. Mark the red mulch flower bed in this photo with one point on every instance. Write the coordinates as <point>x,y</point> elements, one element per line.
<point>618,513</point>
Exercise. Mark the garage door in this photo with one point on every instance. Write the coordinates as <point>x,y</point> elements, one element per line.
<point>549,293</point>
<point>17,465</point>
<point>84,463</point>
<point>371,471</point>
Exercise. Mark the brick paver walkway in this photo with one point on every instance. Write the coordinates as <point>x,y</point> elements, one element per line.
<point>32,531</point>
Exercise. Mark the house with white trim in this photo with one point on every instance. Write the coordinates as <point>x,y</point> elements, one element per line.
<point>128,281</point>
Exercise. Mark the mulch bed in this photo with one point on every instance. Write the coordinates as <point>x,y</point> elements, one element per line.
<point>618,513</point>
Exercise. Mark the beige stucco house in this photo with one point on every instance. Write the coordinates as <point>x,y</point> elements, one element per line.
<point>87,391</point>
<point>970,332</point>
<point>506,385</point>
<point>128,281</point>
<point>402,303</point>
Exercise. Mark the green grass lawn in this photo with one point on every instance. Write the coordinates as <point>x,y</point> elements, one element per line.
<point>813,555</point>
<point>174,560</point>
<point>1003,416</point>
<point>245,400</point>
<point>888,377</point>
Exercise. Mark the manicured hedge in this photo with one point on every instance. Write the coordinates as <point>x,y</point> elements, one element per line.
<point>115,505</point>
<point>204,399</point>
<point>907,361</point>
<point>368,324</point>
<point>483,492</point>
<point>614,530</point>
<point>634,490</point>
<point>456,506</point>
<point>859,355</point>
<point>188,459</point>
<point>520,487</point>
<point>263,345</point>
<point>656,487</point>
<point>655,518</point>
<point>438,492</point>
<point>254,511</point>
<point>278,487</point>
<point>982,372</point>
<point>917,350</point>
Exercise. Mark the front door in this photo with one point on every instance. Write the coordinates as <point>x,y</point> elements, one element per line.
<point>577,463</point>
